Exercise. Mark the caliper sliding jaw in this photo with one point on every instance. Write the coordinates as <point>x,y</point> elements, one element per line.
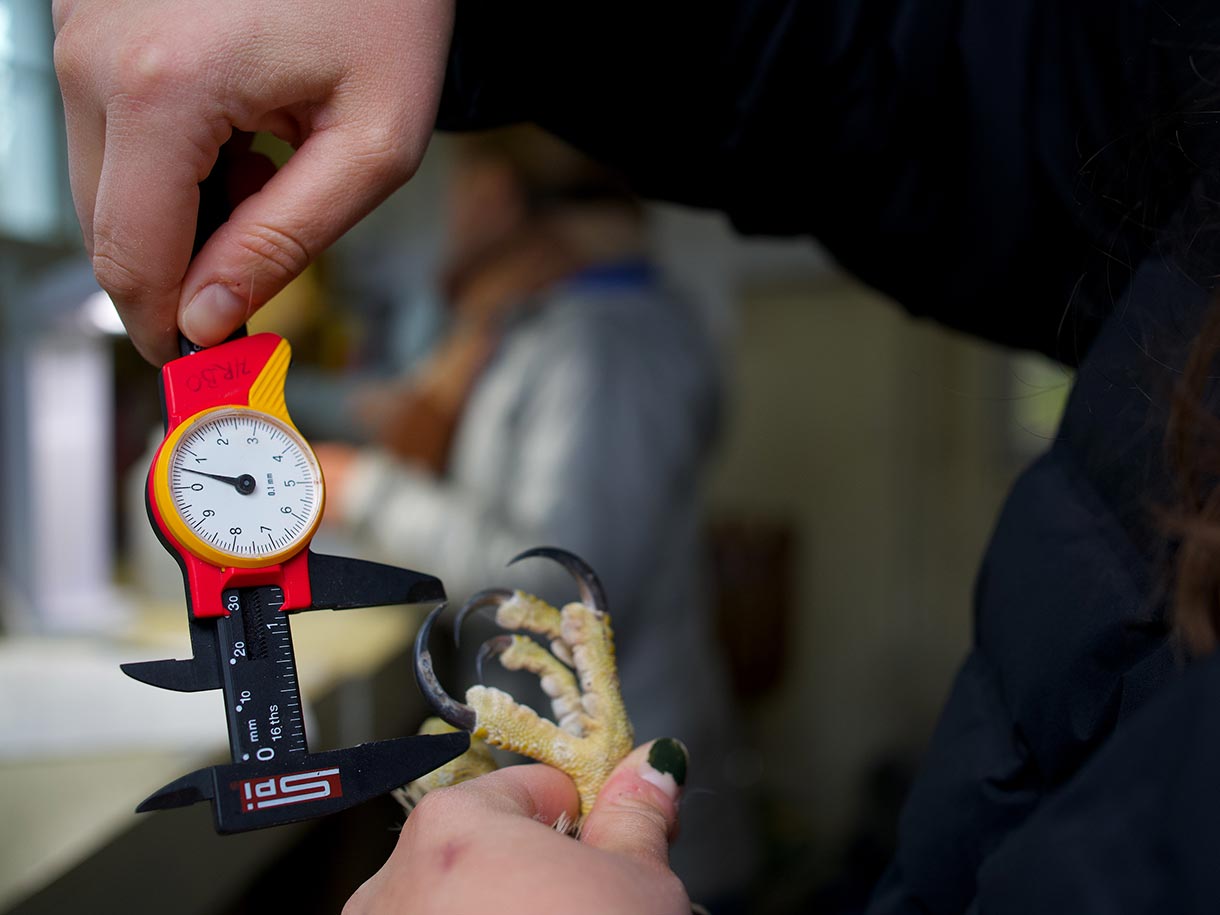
<point>262,695</point>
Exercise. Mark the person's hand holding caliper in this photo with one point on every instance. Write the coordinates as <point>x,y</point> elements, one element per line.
<point>153,89</point>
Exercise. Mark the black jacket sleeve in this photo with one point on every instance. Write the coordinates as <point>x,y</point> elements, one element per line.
<point>999,166</point>
<point>1137,830</point>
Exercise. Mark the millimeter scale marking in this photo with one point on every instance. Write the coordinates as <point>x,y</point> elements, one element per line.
<point>262,697</point>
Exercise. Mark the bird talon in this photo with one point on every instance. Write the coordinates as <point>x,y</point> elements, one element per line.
<point>592,594</point>
<point>578,674</point>
<point>492,648</point>
<point>489,598</point>
<point>456,713</point>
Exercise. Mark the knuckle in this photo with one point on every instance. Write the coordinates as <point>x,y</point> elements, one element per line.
<point>70,57</point>
<point>384,152</point>
<point>443,814</point>
<point>278,250</point>
<point>433,811</point>
<point>113,275</point>
<point>144,69</point>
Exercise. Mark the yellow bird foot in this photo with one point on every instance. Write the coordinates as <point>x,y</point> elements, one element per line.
<point>591,733</point>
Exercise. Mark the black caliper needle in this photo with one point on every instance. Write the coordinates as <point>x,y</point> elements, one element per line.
<point>244,484</point>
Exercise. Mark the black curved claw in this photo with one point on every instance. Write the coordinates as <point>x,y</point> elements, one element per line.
<point>492,648</point>
<point>492,597</point>
<point>591,591</point>
<point>449,709</point>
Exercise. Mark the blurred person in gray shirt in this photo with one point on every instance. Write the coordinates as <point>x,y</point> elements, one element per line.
<point>573,402</point>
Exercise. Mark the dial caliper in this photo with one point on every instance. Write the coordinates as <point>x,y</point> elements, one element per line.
<point>235,494</point>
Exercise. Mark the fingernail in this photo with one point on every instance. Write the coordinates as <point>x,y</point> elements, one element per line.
<point>666,766</point>
<point>213,313</point>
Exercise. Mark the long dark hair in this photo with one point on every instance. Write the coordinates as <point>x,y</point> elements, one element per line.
<point>1193,450</point>
<point>1184,143</point>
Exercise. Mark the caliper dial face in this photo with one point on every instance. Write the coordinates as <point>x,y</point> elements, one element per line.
<point>245,486</point>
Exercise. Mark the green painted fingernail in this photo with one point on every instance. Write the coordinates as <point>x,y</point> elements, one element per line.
<point>669,757</point>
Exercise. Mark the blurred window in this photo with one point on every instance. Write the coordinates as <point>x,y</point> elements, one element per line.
<point>33,192</point>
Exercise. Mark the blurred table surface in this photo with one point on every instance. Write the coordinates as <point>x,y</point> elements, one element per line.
<point>70,831</point>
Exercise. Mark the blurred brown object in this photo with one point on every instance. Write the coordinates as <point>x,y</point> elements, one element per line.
<point>416,417</point>
<point>754,578</point>
<point>525,211</point>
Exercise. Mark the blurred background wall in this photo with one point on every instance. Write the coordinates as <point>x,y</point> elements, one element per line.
<point>883,447</point>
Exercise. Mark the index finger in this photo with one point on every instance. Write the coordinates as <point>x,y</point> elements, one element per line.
<point>534,791</point>
<point>144,221</point>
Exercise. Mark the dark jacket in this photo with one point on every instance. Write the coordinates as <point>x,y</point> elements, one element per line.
<point>1024,171</point>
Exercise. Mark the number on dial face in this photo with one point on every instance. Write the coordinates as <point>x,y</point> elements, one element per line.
<point>245,483</point>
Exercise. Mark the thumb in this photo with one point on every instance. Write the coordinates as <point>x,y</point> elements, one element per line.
<point>334,180</point>
<point>636,813</point>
